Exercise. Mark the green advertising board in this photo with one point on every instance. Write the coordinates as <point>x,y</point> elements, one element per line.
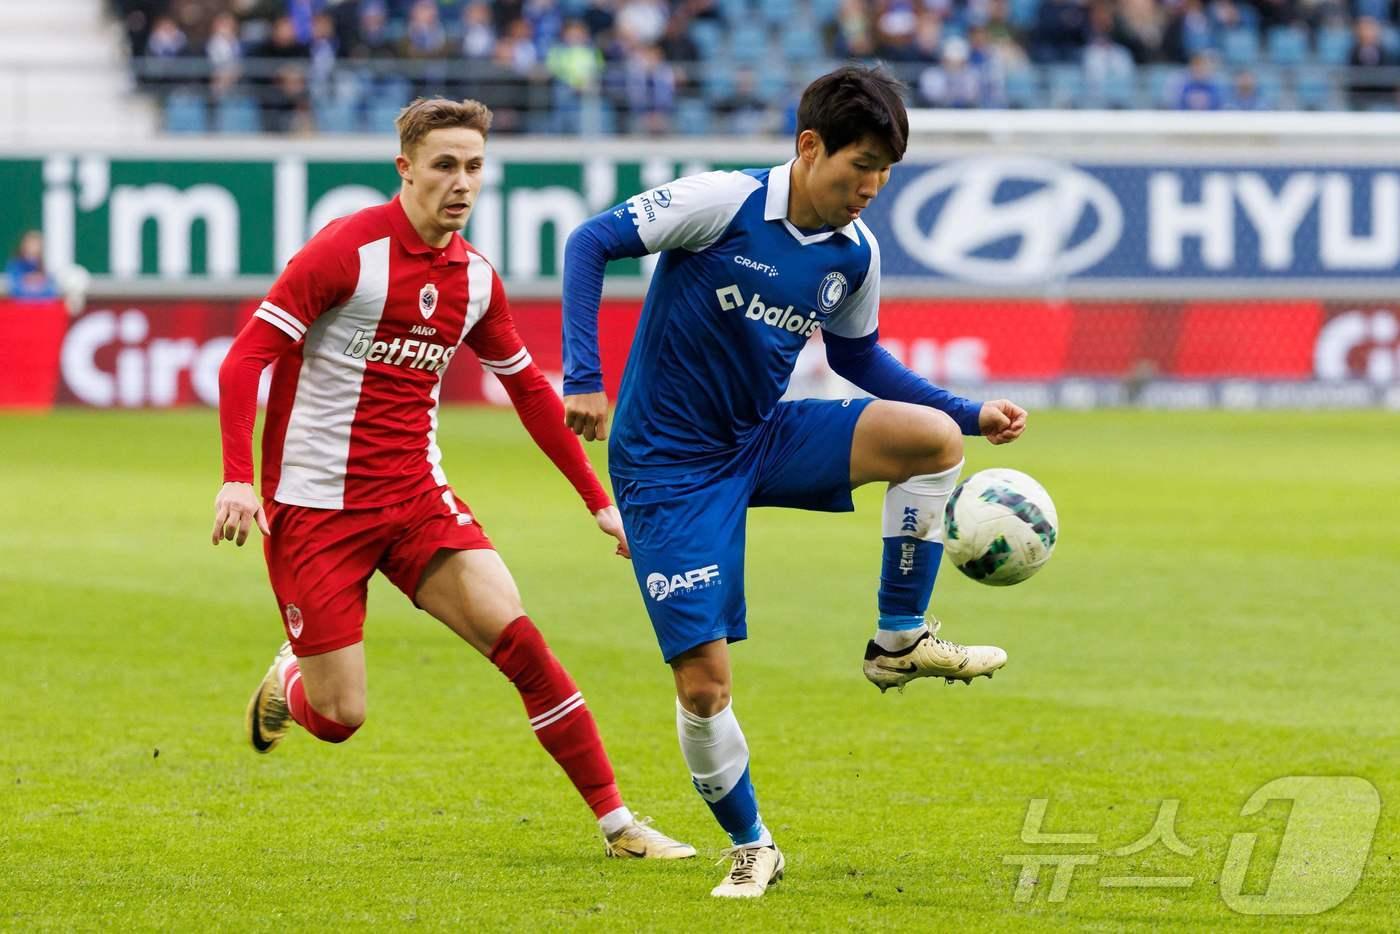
<point>197,218</point>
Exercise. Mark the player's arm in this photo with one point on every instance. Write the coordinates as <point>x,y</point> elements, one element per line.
<point>854,352</point>
<point>499,348</point>
<point>317,278</point>
<point>690,213</point>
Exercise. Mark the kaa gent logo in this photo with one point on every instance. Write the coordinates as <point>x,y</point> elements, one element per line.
<point>659,586</point>
<point>1007,221</point>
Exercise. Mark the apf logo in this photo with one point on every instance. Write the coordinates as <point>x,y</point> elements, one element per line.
<point>1007,221</point>
<point>659,586</point>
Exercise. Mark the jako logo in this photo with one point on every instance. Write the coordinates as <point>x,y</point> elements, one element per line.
<point>1046,223</point>
<point>659,586</point>
<point>784,319</point>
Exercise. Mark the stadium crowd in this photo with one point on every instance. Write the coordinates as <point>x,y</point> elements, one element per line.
<point>694,66</point>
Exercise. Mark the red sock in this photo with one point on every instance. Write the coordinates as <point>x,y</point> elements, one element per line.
<point>561,720</point>
<point>302,712</point>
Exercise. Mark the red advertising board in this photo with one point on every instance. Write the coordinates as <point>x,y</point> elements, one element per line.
<point>163,353</point>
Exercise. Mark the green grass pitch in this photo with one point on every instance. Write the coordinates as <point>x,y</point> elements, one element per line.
<point>1221,612</point>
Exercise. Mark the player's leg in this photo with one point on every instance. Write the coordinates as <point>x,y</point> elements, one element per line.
<point>451,572</point>
<point>717,754</point>
<point>319,562</point>
<point>687,546</point>
<point>918,451</point>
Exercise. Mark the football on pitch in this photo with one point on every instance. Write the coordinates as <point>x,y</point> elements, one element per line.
<point>999,527</point>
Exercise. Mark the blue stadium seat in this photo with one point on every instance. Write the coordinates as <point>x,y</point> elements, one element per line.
<point>708,36</point>
<point>381,114</point>
<point>185,113</point>
<point>717,82</point>
<point>1023,13</point>
<point>1162,80</point>
<point>692,117</point>
<point>1022,89</point>
<point>1334,45</point>
<point>748,46</point>
<point>824,11</point>
<point>774,78</point>
<point>335,116</point>
<point>238,114</point>
<point>1241,47</point>
<point>1118,95</point>
<point>778,12</point>
<point>1288,45</point>
<point>1313,89</point>
<point>1269,81</point>
<point>801,44</point>
<point>1067,86</point>
<point>736,11</point>
<point>1378,9</point>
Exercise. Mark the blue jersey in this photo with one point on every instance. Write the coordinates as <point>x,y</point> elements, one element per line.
<point>738,291</point>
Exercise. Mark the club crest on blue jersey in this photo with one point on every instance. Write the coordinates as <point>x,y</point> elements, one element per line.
<point>427,300</point>
<point>831,292</point>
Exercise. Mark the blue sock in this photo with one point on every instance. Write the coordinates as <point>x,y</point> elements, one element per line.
<point>718,756</point>
<point>912,530</point>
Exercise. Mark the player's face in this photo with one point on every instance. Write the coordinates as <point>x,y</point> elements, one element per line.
<point>844,183</point>
<point>442,178</point>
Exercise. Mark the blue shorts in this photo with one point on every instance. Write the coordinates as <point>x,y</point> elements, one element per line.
<point>687,537</point>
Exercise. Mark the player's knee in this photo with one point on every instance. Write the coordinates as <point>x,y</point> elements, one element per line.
<point>704,698</point>
<point>938,446</point>
<point>348,712</point>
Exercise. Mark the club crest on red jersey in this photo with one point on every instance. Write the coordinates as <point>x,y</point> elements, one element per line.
<point>427,300</point>
<point>294,620</point>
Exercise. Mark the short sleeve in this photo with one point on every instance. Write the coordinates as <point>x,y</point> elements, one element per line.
<point>319,277</point>
<point>689,213</point>
<point>859,314</point>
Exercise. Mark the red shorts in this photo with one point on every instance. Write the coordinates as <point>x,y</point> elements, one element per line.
<point>320,560</point>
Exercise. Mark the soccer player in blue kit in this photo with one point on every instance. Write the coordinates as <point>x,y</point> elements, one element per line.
<point>752,264</point>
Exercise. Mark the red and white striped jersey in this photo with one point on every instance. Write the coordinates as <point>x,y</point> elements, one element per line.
<point>376,315</point>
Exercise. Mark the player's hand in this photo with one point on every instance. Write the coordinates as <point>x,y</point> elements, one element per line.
<point>610,521</point>
<point>235,509</point>
<point>587,414</point>
<point>1001,421</point>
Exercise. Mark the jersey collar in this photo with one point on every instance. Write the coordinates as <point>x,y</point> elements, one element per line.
<point>775,208</point>
<point>404,232</point>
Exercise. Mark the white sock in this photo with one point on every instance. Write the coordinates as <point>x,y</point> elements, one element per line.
<point>718,758</point>
<point>615,820</point>
<point>913,510</point>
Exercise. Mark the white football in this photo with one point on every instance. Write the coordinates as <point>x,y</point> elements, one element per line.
<point>999,527</point>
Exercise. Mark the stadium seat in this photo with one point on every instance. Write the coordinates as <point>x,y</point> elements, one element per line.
<point>238,114</point>
<point>1269,81</point>
<point>748,46</point>
<point>1376,9</point>
<point>1334,45</point>
<point>185,113</point>
<point>708,36</point>
<point>381,114</point>
<point>736,12</point>
<point>1023,13</point>
<point>717,83</point>
<point>1161,81</point>
<point>1119,95</point>
<point>1022,89</point>
<point>692,117</point>
<point>778,12</point>
<point>1288,45</point>
<point>335,116</point>
<point>1241,47</point>
<point>1313,89</point>
<point>824,11</point>
<point>1067,86</point>
<point>801,44</point>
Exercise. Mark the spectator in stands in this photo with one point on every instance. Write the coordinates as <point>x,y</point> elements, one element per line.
<point>644,20</point>
<point>372,39</point>
<point>1061,30</point>
<point>1108,66</point>
<point>1244,93</point>
<point>1368,90</point>
<point>1274,13</point>
<point>955,82</point>
<point>478,31</point>
<point>576,66</point>
<point>928,38</point>
<point>746,113</point>
<point>1139,26</point>
<point>1189,32</point>
<point>25,273</point>
<point>650,83</point>
<point>854,38</point>
<point>599,16</point>
<point>1200,90</point>
<point>424,36</point>
<point>546,24</point>
<point>282,43</point>
<point>224,52</point>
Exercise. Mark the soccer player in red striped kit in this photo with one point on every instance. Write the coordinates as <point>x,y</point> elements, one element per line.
<point>361,325</point>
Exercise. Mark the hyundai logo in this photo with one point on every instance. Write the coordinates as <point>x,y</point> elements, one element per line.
<point>1015,221</point>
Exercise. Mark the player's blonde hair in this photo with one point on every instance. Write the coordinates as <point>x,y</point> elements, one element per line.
<point>426,114</point>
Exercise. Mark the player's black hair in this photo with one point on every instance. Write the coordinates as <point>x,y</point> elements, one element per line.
<point>851,102</point>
